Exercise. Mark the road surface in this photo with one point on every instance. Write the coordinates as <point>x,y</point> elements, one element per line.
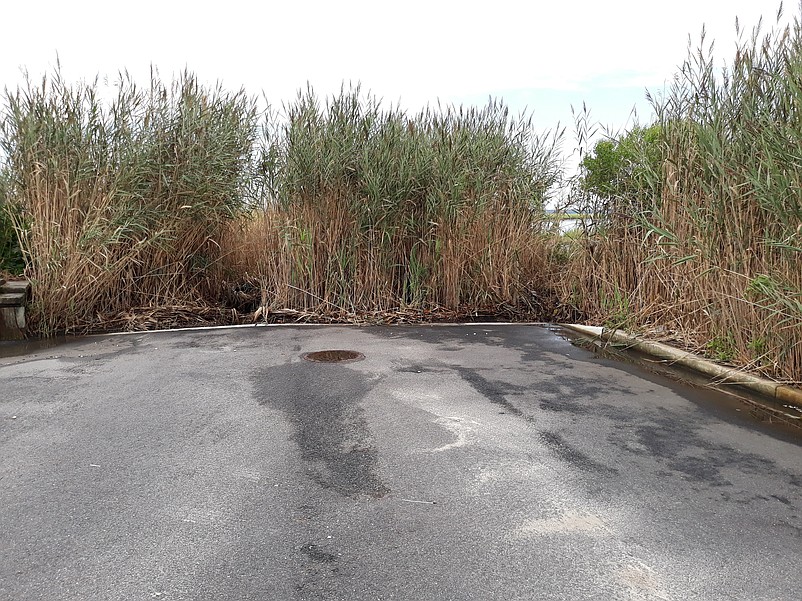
<point>452,462</point>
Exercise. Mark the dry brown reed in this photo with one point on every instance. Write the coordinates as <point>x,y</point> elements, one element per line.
<point>119,205</point>
<point>711,252</point>
<point>315,259</point>
<point>373,210</point>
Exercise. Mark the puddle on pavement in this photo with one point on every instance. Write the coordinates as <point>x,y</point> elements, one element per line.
<point>733,400</point>
<point>20,348</point>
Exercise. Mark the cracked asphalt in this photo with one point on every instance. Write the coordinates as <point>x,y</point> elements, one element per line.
<point>453,462</point>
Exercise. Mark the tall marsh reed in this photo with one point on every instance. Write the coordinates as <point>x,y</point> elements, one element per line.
<point>120,203</point>
<point>712,249</point>
<point>184,195</point>
<point>373,209</point>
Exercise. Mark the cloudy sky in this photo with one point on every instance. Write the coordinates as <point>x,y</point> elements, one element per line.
<point>543,55</point>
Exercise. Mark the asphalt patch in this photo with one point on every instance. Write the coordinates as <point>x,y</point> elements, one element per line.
<point>322,401</point>
<point>495,392</point>
<point>562,449</point>
<point>315,553</point>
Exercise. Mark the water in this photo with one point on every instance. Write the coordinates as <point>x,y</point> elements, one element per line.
<point>18,348</point>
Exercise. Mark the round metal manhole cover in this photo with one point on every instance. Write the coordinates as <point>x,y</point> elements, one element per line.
<point>333,356</point>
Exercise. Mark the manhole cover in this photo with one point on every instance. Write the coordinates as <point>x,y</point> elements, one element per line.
<point>333,356</point>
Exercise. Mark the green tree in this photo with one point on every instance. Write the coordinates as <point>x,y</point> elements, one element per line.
<point>625,169</point>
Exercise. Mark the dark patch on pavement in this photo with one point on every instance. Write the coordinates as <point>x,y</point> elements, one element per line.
<point>322,402</point>
<point>564,405</point>
<point>686,451</point>
<point>562,449</point>
<point>782,500</point>
<point>333,356</point>
<point>417,368</point>
<point>495,392</point>
<point>32,347</point>
<point>315,553</point>
<point>698,469</point>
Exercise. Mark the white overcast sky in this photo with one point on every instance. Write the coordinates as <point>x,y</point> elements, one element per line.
<point>542,55</point>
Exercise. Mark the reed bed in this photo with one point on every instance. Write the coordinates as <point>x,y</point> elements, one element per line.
<point>187,198</point>
<point>120,203</point>
<point>374,210</point>
<point>176,204</point>
<point>710,253</point>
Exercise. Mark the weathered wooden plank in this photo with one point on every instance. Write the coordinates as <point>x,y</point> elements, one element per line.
<point>15,286</point>
<point>13,299</point>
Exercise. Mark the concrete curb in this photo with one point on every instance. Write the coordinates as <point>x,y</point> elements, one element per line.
<point>444,324</point>
<point>781,393</point>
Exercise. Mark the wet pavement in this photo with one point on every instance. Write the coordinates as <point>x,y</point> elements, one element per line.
<point>450,462</point>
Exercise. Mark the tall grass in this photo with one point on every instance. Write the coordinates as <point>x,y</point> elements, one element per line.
<point>168,195</point>
<point>713,248</point>
<point>11,261</point>
<point>120,203</point>
<point>372,209</point>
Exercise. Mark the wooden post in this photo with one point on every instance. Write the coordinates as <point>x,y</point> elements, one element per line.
<point>14,297</point>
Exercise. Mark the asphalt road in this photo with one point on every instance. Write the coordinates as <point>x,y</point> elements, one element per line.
<point>453,462</point>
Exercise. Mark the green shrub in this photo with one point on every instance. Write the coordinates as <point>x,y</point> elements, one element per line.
<point>623,171</point>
